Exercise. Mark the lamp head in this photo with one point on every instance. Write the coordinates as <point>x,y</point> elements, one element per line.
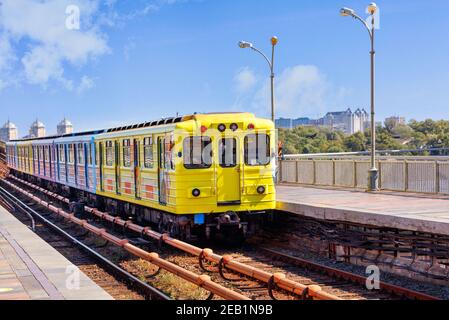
<point>274,40</point>
<point>372,8</point>
<point>245,44</point>
<point>346,12</point>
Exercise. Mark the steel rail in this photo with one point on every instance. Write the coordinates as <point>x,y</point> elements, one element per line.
<point>202,281</point>
<point>279,280</point>
<point>142,287</point>
<point>22,206</point>
<point>355,278</point>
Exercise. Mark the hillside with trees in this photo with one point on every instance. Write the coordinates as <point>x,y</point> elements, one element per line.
<point>415,135</point>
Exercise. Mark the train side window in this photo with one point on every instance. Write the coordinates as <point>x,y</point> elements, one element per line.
<point>197,152</point>
<point>41,154</point>
<point>97,154</point>
<point>47,153</point>
<point>127,153</point>
<point>89,154</point>
<point>70,154</point>
<point>61,154</point>
<point>109,153</point>
<point>80,152</point>
<point>257,149</point>
<point>148,152</point>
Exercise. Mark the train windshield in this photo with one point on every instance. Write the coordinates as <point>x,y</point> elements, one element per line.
<point>257,149</point>
<point>197,152</point>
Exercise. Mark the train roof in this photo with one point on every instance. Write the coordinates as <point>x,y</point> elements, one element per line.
<point>86,135</point>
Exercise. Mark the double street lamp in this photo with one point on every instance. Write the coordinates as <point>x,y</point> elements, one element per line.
<point>372,9</point>
<point>274,42</point>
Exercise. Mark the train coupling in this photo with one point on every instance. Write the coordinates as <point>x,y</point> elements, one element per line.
<point>227,223</point>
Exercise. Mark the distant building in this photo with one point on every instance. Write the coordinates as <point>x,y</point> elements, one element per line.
<point>284,123</point>
<point>65,127</point>
<point>37,129</point>
<point>394,121</point>
<point>287,123</point>
<point>8,131</point>
<point>347,121</point>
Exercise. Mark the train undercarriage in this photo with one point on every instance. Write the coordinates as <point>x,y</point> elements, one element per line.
<point>230,227</point>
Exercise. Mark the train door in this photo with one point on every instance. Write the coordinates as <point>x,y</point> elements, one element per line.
<point>66,162</point>
<point>162,179</point>
<point>87,164</point>
<point>137,178</point>
<point>228,172</point>
<point>101,164</point>
<point>50,161</point>
<point>117,167</point>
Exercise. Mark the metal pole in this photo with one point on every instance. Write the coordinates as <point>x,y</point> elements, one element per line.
<point>373,173</point>
<point>272,85</point>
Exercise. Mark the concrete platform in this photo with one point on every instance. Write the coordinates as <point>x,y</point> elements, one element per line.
<point>30,269</point>
<point>406,212</point>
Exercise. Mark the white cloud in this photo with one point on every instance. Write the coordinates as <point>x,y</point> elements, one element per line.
<point>50,46</point>
<point>301,90</point>
<point>86,84</point>
<point>244,80</point>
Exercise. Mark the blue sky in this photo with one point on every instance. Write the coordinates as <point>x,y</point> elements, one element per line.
<point>136,60</point>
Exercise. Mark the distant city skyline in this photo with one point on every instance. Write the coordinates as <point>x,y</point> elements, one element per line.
<point>346,121</point>
<point>148,59</point>
<point>9,131</point>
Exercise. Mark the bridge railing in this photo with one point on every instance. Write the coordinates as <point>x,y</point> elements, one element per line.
<point>399,173</point>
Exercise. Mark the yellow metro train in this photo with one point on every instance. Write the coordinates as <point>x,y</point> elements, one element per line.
<point>212,173</point>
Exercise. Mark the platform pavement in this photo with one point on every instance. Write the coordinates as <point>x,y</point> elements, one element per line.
<point>384,209</point>
<point>30,269</point>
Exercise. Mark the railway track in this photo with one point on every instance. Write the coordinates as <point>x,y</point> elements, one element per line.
<point>138,285</point>
<point>255,271</point>
<point>119,283</point>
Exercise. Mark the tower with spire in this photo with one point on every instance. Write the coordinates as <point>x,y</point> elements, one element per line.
<point>65,127</point>
<point>37,129</point>
<point>8,131</point>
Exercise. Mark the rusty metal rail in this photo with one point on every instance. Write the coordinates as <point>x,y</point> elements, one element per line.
<point>352,277</point>
<point>202,281</point>
<point>278,280</point>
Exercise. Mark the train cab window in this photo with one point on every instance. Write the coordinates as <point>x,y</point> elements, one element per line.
<point>70,154</point>
<point>197,152</point>
<point>148,152</point>
<point>127,153</point>
<point>227,152</point>
<point>110,153</point>
<point>257,149</point>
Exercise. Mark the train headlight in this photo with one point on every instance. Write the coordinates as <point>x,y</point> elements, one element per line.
<point>196,192</point>
<point>234,126</point>
<point>221,127</point>
<point>261,189</point>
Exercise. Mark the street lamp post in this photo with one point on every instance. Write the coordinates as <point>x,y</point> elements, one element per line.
<point>372,9</point>
<point>274,42</point>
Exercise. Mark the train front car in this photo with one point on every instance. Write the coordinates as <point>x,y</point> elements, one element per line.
<point>202,174</point>
<point>225,167</point>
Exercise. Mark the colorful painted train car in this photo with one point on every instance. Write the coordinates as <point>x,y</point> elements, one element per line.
<point>211,173</point>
